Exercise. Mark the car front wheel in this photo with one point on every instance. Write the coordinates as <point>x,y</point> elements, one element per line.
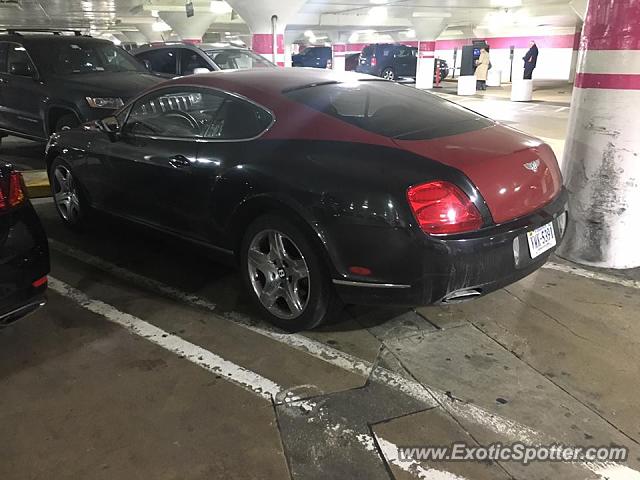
<point>284,275</point>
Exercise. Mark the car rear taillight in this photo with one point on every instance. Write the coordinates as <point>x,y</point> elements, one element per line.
<point>441,208</point>
<point>374,61</point>
<point>13,194</point>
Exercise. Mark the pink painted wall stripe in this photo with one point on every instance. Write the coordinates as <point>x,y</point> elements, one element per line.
<point>608,81</point>
<point>263,43</point>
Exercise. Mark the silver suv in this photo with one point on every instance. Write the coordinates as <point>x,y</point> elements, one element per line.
<point>179,59</point>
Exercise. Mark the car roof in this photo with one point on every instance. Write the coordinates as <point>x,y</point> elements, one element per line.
<point>48,37</point>
<point>188,46</point>
<point>260,83</point>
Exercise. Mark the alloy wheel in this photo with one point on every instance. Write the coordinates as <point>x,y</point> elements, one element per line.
<point>65,194</point>
<point>388,74</point>
<point>279,274</point>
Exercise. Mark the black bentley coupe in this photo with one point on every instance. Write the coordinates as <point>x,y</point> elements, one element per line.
<point>324,187</point>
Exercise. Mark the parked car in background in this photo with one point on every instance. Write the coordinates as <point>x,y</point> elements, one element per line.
<point>325,187</point>
<point>49,82</point>
<point>393,61</point>
<point>315,57</point>
<point>24,251</point>
<point>351,62</point>
<point>388,60</point>
<point>179,59</point>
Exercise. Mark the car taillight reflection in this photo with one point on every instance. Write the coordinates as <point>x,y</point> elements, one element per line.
<point>441,208</point>
<point>11,192</point>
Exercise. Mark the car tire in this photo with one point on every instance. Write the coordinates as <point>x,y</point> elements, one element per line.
<point>66,122</point>
<point>68,196</point>
<point>389,74</point>
<point>285,275</point>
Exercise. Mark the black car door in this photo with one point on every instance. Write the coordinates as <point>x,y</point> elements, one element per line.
<point>172,149</point>
<point>22,93</point>
<point>405,61</point>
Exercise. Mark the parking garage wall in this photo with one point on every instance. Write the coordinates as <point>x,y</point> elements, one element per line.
<point>555,62</point>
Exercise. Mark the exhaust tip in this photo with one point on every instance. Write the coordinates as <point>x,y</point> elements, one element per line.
<point>460,296</point>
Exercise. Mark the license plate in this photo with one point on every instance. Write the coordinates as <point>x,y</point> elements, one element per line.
<point>541,239</point>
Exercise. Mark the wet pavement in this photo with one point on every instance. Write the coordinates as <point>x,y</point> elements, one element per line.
<point>150,362</point>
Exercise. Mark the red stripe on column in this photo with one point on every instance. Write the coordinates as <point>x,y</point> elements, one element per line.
<point>612,25</point>
<point>339,48</point>
<point>609,81</point>
<point>263,43</point>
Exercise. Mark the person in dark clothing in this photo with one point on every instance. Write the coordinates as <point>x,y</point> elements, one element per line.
<point>530,60</point>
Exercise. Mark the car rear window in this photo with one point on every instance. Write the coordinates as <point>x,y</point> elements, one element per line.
<point>389,109</point>
<point>367,52</point>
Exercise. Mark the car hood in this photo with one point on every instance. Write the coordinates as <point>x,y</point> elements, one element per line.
<point>124,85</point>
<point>515,173</point>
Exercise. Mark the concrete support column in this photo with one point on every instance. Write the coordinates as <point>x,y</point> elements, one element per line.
<point>601,162</point>
<point>150,34</point>
<point>427,29</point>
<point>190,29</point>
<point>262,43</point>
<point>259,18</point>
<point>339,56</point>
<point>426,64</point>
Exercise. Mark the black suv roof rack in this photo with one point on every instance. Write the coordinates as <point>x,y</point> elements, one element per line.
<point>55,31</point>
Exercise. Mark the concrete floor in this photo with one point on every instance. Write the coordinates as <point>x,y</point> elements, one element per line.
<point>149,363</point>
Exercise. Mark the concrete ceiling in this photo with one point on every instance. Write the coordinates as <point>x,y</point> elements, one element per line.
<point>326,18</point>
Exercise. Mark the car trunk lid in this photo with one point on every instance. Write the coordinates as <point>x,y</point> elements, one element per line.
<point>516,174</point>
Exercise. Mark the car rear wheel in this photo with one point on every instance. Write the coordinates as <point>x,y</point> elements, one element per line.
<point>285,276</point>
<point>389,74</point>
<point>67,195</point>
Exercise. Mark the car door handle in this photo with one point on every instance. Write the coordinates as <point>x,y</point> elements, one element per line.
<point>179,161</point>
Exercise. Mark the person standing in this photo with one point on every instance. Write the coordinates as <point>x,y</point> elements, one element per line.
<point>530,60</point>
<point>482,68</point>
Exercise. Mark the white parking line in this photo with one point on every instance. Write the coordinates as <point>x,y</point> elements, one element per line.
<point>509,429</point>
<point>203,358</point>
<point>390,452</point>
<point>604,277</point>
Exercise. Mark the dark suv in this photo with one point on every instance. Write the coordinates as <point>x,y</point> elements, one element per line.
<point>393,61</point>
<point>51,81</point>
<point>388,60</point>
<point>314,57</point>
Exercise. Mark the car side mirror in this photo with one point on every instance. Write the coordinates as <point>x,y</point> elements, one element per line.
<point>110,126</point>
<point>197,71</point>
<point>22,69</point>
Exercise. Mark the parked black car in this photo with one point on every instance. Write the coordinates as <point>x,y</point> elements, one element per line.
<point>324,187</point>
<point>314,57</point>
<point>24,252</point>
<point>178,59</point>
<point>392,61</point>
<point>53,81</point>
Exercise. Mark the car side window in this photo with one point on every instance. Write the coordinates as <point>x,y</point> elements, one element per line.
<point>404,52</point>
<point>18,61</point>
<point>195,113</point>
<point>190,60</point>
<point>161,61</point>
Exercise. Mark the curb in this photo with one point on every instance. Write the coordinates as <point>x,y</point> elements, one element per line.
<point>37,183</point>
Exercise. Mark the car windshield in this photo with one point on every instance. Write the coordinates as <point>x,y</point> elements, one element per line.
<point>228,59</point>
<point>390,109</point>
<point>71,58</point>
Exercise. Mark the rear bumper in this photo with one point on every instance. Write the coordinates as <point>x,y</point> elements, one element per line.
<point>24,258</point>
<point>475,265</point>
